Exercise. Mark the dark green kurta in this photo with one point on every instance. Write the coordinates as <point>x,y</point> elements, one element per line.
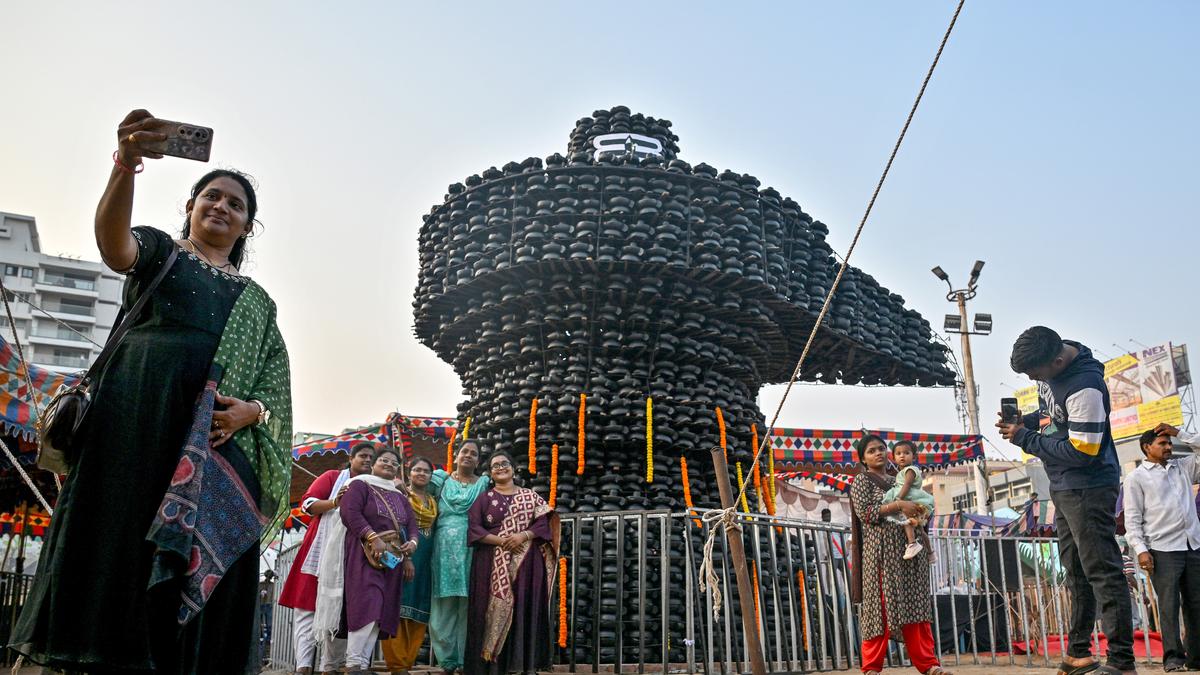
<point>89,608</point>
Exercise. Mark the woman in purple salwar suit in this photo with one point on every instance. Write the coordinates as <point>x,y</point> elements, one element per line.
<point>515,535</point>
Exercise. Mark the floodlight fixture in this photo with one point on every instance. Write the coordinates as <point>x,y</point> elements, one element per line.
<point>953,323</point>
<point>975,273</point>
<point>983,324</point>
<point>941,274</point>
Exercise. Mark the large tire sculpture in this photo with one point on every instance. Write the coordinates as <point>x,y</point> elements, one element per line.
<point>624,273</point>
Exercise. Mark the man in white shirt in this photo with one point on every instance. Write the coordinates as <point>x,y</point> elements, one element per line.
<point>1162,529</point>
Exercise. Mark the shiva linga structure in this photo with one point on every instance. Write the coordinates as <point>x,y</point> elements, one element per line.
<point>625,307</point>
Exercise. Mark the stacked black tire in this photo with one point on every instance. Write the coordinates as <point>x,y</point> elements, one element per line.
<point>626,275</point>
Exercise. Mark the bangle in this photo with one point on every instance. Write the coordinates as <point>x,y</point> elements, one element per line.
<point>135,170</point>
<point>371,537</point>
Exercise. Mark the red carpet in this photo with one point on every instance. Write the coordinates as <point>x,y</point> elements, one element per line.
<point>1054,645</point>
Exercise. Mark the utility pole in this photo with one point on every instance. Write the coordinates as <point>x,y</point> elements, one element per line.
<point>958,323</point>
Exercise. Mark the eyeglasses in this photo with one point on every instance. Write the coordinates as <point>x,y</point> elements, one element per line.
<point>387,462</point>
<point>501,465</point>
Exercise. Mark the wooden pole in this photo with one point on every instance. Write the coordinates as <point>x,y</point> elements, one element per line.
<point>738,551</point>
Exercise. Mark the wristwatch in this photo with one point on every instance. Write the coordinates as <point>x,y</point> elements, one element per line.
<point>264,415</point>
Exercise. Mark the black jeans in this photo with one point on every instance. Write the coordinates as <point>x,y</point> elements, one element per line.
<point>1087,547</point>
<point>1177,575</point>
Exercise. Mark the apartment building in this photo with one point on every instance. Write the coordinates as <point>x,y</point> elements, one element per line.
<point>63,307</point>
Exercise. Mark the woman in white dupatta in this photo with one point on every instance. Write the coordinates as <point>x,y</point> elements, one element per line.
<point>354,597</point>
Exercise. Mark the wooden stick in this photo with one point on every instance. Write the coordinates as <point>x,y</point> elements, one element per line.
<point>738,551</point>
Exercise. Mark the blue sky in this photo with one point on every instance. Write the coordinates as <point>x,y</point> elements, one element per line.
<point>1057,141</point>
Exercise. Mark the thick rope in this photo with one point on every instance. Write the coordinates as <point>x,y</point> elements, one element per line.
<point>729,515</point>
<point>709,581</point>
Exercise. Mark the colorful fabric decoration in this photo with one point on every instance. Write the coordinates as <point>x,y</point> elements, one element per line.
<point>799,449</point>
<point>838,481</point>
<point>377,433</point>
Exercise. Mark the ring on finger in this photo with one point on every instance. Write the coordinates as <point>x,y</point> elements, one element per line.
<point>131,139</point>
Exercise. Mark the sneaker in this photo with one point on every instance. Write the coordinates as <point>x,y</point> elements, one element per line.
<point>912,550</point>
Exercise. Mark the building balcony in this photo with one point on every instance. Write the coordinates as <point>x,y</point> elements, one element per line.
<point>71,313</point>
<point>66,286</point>
<point>60,338</point>
<point>68,363</point>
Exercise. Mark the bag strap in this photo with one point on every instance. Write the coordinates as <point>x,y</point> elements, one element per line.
<point>118,333</point>
<point>386,505</point>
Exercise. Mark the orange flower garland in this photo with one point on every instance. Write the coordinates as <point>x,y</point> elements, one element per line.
<point>553,475</point>
<point>758,484</point>
<point>562,602</point>
<point>533,438</point>
<point>721,428</point>
<point>582,432</point>
<point>649,440</point>
<point>757,611</point>
<point>687,490</point>
<point>450,451</point>
<point>741,490</point>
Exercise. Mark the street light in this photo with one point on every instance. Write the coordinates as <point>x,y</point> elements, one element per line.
<point>982,326</point>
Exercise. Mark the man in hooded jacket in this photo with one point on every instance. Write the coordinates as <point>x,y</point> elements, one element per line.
<point>1080,458</point>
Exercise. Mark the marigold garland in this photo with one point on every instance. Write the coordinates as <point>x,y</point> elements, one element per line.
<point>757,611</point>
<point>450,451</point>
<point>582,432</point>
<point>466,428</point>
<point>742,488</point>
<point>687,490</point>
<point>562,602</point>
<point>649,440</point>
<point>553,475</point>
<point>533,438</point>
<point>767,485</point>
<point>721,428</point>
<point>756,477</point>
<point>770,473</point>
<point>803,609</point>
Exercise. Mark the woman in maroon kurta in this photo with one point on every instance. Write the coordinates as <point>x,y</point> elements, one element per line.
<point>515,535</point>
<point>300,589</point>
<point>371,603</point>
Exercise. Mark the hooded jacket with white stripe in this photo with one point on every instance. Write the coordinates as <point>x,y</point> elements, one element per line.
<point>1076,447</point>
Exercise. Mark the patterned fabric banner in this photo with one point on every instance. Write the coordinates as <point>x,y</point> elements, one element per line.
<point>15,523</point>
<point>838,481</point>
<point>342,442</point>
<point>16,412</point>
<point>1036,520</point>
<point>795,448</point>
<point>438,428</point>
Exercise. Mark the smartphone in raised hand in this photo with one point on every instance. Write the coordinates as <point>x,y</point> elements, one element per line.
<point>188,141</point>
<point>1009,410</point>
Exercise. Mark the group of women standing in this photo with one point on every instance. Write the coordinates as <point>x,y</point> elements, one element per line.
<point>464,558</point>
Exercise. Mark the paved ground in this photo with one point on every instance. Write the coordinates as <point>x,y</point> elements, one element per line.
<point>1004,669</point>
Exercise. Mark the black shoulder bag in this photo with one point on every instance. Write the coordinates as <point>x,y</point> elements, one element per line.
<point>59,422</point>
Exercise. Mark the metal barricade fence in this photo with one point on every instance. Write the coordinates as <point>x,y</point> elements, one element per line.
<point>633,598</point>
<point>13,590</point>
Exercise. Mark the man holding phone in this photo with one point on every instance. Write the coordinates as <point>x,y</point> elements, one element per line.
<point>1161,530</point>
<point>1077,450</point>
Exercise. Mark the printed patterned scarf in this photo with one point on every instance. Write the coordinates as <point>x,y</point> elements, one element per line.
<point>209,516</point>
<point>526,506</point>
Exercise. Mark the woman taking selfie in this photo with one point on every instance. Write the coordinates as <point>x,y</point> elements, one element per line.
<point>183,459</point>
<point>377,533</point>
<point>515,536</point>
<point>894,591</point>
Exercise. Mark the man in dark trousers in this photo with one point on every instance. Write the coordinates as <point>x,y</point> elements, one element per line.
<point>1077,450</point>
<point>1166,538</point>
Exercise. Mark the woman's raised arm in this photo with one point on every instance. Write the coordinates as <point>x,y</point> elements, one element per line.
<point>113,238</point>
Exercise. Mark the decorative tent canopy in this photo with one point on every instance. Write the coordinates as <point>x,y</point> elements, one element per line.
<point>16,522</point>
<point>17,415</point>
<point>822,450</point>
<point>838,481</point>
